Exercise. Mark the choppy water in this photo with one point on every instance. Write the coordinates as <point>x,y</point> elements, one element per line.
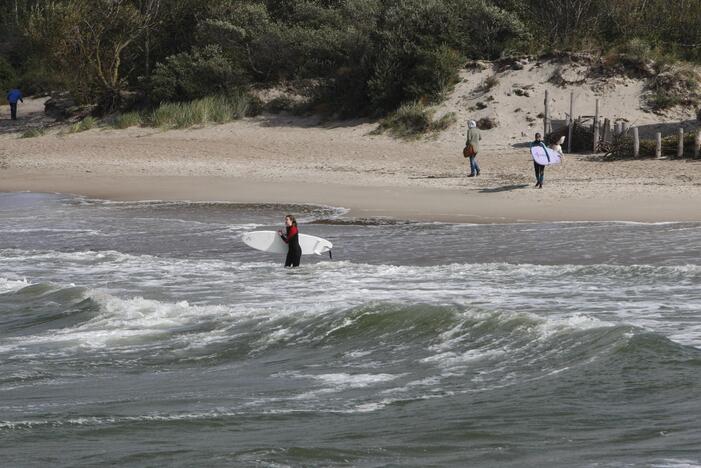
<point>147,334</point>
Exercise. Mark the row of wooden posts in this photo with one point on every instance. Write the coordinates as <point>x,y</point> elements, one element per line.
<point>604,131</point>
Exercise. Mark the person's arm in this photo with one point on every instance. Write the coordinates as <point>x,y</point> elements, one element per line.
<point>286,238</point>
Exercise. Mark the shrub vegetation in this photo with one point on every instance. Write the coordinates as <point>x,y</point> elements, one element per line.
<point>367,57</point>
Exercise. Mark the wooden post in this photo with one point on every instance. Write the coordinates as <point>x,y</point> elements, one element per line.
<point>545,116</point>
<point>596,127</point>
<point>571,123</point>
<point>636,143</point>
<point>658,147</point>
<point>607,130</point>
<point>680,148</point>
<point>697,145</point>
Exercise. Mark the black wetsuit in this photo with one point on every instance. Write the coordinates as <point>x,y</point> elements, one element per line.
<point>539,168</point>
<point>294,252</point>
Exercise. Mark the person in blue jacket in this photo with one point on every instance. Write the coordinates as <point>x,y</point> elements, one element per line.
<point>13,96</point>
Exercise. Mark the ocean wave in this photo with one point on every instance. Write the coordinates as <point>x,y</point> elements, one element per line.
<point>11,285</point>
<point>447,337</point>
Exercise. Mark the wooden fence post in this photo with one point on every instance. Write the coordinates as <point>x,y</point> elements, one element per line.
<point>596,127</point>
<point>571,123</point>
<point>658,147</point>
<point>680,147</point>
<point>636,143</point>
<point>606,134</point>
<point>697,145</point>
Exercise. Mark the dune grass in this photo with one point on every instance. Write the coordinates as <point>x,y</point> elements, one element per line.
<point>211,109</point>
<point>413,120</point>
<point>33,133</point>
<point>87,123</point>
<point>130,119</point>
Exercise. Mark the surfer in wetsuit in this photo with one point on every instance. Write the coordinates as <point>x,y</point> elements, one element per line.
<point>291,238</point>
<point>539,168</point>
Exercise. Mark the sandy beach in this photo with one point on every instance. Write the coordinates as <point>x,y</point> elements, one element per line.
<point>265,161</point>
<point>288,159</point>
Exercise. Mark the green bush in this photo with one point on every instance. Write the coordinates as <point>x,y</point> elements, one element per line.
<point>662,99</point>
<point>637,49</point>
<point>435,73</point>
<point>8,78</point>
<point>193,75</point>
<point>37,78</point>
<point>412,120</point>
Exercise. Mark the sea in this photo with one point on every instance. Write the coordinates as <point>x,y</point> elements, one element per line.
<point>147,334</point>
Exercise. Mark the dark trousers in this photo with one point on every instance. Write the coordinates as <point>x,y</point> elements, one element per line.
<point>293,257</point>
<point>13,110</point>
<point>539,172</point>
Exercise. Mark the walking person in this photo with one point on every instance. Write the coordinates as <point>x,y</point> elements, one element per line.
<point>291,238</point>
<point>13,96</point>
<point>539,168</point>
<point>472,147</point>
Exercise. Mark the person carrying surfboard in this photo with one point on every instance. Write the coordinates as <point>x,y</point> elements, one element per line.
<point>291,238</point>
<point>539,168</point>
<point>472,147</point>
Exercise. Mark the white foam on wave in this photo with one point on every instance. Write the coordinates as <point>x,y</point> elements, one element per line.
<point>560,298</point>
<point>91,232</point>
<point>341,381</point>
<point>126,323</point>
<point>12,285</point>
<point>675,463</point>
<point>452,360</point>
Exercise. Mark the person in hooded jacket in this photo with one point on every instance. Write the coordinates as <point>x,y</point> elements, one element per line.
<point>473,140</point>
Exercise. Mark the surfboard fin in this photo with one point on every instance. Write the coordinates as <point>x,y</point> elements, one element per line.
<point>330,256</point>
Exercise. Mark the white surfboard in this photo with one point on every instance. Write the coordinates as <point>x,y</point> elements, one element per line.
<point>545,156</point>
<point>270,241</point>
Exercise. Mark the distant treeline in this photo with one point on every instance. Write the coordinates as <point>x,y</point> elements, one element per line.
<point>354,57</point>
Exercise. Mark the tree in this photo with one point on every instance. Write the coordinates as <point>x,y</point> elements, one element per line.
<point>89,39</point>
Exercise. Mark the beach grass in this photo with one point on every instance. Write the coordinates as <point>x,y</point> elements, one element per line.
<point>210,109</point>
<point>413,120</point>
<point>33,132</point>
<point>87,123</point>
<point>130,119</point>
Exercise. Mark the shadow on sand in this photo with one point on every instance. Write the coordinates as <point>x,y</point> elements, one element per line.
<point>505,188</point>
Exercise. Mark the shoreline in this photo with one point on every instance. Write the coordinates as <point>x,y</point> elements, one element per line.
<point>288,160</point>
<point>424,204</point>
